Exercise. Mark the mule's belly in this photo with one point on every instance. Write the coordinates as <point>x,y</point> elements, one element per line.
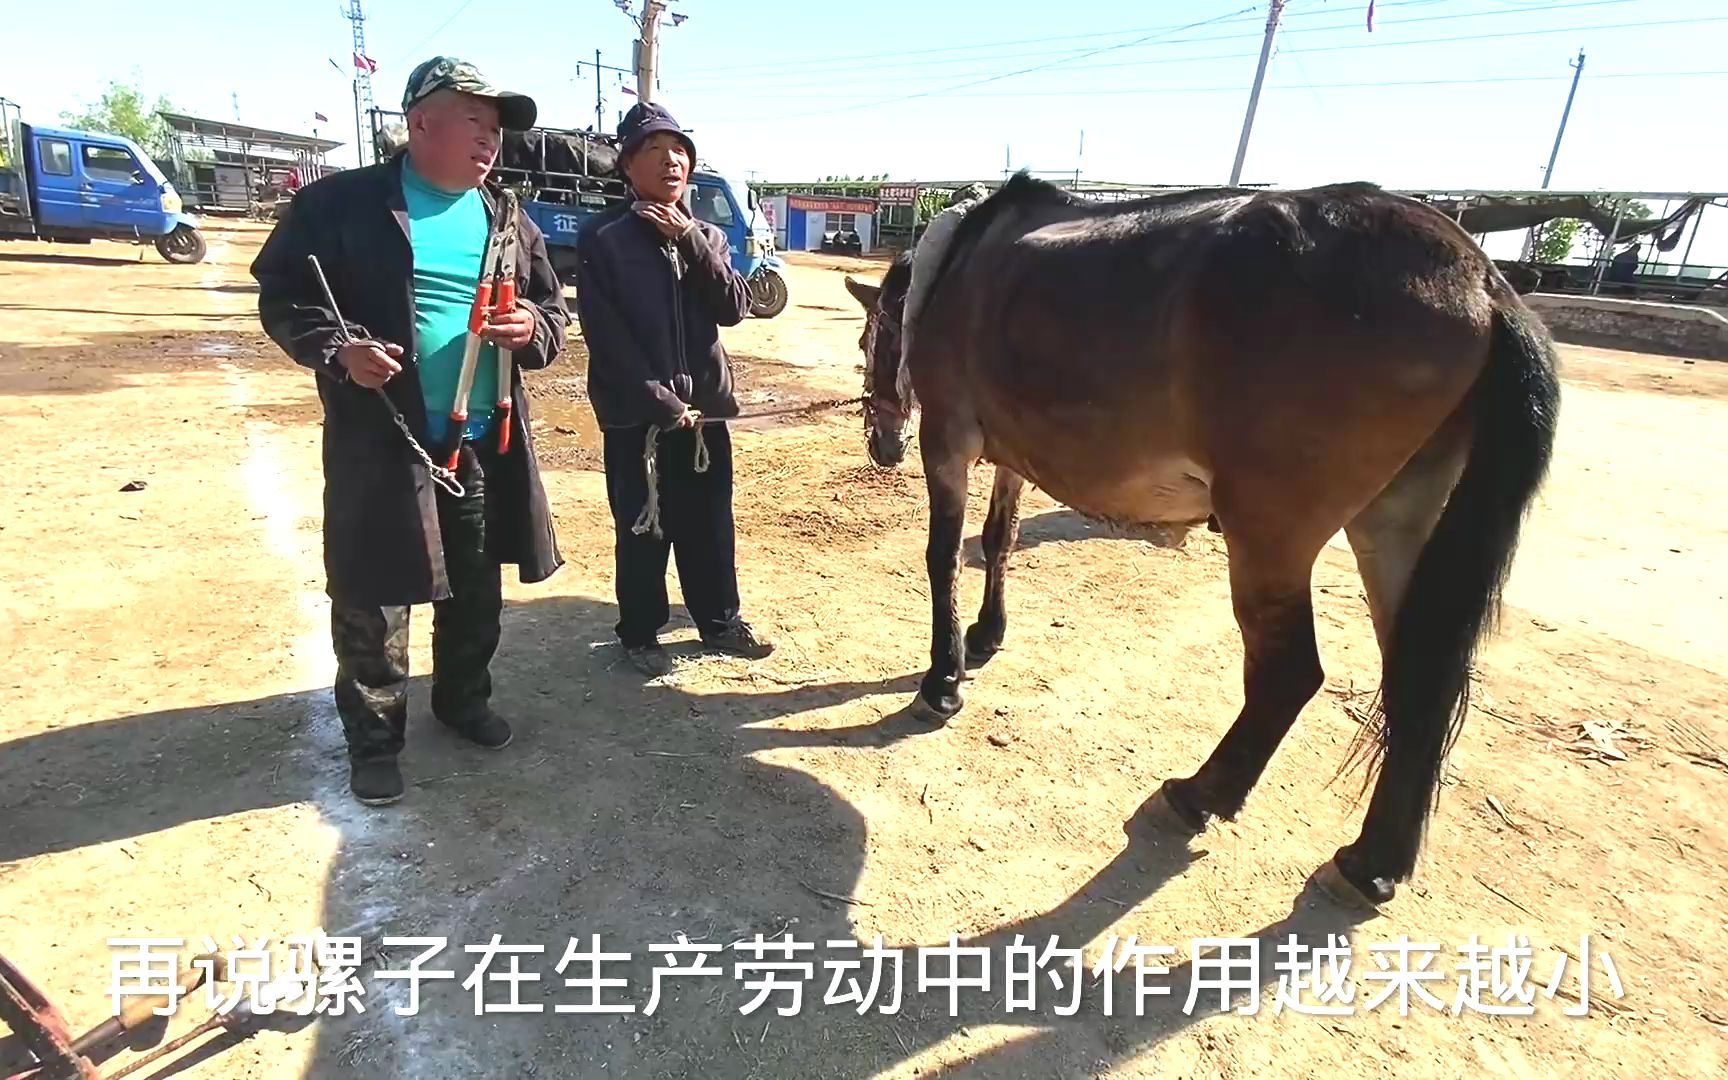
<point>1155,494</point>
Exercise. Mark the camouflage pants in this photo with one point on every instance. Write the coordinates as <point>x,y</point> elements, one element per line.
<point>371,643</point>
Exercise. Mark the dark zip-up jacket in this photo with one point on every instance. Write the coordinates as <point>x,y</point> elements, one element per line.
<point>382,544</point>
<point>651,311</point>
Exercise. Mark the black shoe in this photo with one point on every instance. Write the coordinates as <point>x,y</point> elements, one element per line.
<point>739,639</point>
<point>651,660</point>
<point>375,781</point>
<point>486,729</point>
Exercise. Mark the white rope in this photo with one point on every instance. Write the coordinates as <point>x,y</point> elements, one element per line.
<point>648,521</point>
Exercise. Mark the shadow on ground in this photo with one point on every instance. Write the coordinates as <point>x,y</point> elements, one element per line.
<point>53,259</point>
<point>636,812</point>
<point>1050,527</point>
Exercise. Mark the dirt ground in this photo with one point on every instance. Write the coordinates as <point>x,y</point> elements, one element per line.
<point>171,766</point>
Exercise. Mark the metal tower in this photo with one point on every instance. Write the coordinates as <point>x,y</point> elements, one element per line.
<point>363,104</point>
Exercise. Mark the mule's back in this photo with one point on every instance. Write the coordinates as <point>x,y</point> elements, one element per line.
<point>1126,356</point>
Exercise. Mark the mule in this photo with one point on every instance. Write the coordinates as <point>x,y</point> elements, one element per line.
<point>1285,364</point>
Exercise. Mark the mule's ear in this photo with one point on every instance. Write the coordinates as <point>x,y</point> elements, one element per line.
<point>865,294</point>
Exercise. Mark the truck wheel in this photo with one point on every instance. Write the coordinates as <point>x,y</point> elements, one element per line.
<point>184,245</point>
<point>768,293</point>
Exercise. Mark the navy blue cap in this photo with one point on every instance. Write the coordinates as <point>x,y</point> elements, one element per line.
<point>645,119</point>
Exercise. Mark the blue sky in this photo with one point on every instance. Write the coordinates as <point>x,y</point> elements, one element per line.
<point>1442,92</point>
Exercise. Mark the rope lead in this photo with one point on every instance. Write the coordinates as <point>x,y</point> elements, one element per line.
<point>648,521</point>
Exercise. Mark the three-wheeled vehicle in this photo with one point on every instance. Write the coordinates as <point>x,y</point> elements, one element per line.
<point>72,187</point>
<point>564,177</point>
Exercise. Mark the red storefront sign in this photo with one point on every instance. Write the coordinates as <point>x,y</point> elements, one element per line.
<point>831,204</point>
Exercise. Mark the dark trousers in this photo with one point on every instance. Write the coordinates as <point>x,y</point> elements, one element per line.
<point>696,523</point>
<point>372,642</point>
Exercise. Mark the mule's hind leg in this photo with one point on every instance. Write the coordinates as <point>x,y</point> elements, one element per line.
<point>1388,536</point>
<point>1001,528</point>
<point>948,451</point>
<point>1269,587</point>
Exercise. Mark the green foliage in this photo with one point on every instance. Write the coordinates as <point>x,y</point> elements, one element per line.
<point>931,201</point>
<point>123,110</point>
<point>1556,239</point>
<point>1555,243</point>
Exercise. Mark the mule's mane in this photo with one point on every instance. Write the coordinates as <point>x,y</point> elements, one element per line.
<point>1022,189</point>
<point>898,278</point>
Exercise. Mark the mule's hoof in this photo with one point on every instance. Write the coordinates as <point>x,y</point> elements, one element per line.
<point>925,713</point>
<point>981,646</point>
<point>1170,814</point>
<point>1332,881</point>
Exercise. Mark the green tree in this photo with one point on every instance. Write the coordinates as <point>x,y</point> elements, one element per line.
<point>123,110</point>
<point>1555,244</point>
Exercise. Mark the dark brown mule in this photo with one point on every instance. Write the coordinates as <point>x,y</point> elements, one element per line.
<point>1292,363</point>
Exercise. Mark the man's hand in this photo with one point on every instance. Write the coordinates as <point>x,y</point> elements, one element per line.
<point>690,418</point>
<point>671,219</point>
<point>512,330</point>
<point>370,363</point>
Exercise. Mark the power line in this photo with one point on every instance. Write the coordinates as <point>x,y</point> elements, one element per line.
<point>1237,87</point>
<point>460,8</point>
<point>828,63</point>
<point>1453,39</point>
<point>1038,67</point>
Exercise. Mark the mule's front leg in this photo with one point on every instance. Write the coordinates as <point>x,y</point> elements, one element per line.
<point>945,476</point>
<point>1001,528</point>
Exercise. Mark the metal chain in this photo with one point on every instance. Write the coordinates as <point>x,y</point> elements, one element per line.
<point>441,476</point>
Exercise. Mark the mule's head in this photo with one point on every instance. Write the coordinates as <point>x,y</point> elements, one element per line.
<point>888,398</point>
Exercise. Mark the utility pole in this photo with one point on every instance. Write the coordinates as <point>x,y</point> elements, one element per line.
<point>1577,73</point>
<point>648,49</point>
<point>599,93</point>
<point>1276,9</point>
<point>362,75</point>
<point>1548,173</point>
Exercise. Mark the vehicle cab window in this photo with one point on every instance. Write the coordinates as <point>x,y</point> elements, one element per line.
<point>56,156</point>
<point>712,207</point>
<point>107,163</point>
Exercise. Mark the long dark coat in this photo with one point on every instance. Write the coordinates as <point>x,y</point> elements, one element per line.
<point>382,545</point>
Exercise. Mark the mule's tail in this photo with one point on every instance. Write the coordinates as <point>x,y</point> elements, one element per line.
<point>1452,601</point>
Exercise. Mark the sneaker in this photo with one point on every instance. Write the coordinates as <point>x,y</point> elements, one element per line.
<point>488,730</point>
<point>740,640</point>
<point>651,660</point>
<point>375,781</point>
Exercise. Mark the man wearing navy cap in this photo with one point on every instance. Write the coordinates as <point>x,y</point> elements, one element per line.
<point>653,287</point>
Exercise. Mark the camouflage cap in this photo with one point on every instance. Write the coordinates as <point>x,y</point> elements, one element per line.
<point>516,112</point>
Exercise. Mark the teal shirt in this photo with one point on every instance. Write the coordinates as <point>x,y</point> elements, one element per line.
<point>448,234</point>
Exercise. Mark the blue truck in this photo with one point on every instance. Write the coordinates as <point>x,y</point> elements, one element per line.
<point>565,176</point>
<point>72,187</point>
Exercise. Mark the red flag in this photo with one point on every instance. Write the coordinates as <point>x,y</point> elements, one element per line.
<point>366,62</point>
<point>627,90</point>
<point>320,116</point>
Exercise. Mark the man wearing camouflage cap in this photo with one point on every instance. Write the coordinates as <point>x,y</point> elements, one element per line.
<point>402,244</point>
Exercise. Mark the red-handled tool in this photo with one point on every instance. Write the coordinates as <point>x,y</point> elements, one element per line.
<point>495,293</point>
<point>506,303</point>
<point>470,359</point>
